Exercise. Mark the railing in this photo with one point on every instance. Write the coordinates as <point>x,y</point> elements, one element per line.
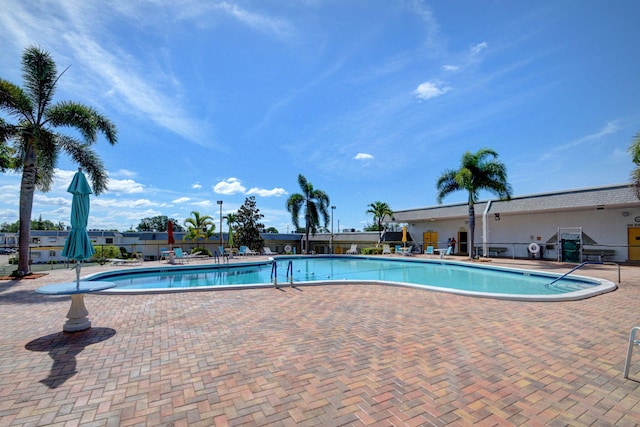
<point>274,274</point>
<point>290,276</point>
<point>572,270</point>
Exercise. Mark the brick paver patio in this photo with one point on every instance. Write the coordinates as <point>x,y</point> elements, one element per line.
<point>326,355</point>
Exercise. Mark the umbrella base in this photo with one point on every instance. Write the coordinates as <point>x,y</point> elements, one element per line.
<point>77,319</point>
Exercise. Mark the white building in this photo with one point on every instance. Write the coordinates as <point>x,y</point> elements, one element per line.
<point>597,223</point>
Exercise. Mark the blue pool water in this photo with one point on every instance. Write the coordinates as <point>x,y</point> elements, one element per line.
<point>429,274</point>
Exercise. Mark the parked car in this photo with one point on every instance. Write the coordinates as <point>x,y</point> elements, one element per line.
<point>7,251</point>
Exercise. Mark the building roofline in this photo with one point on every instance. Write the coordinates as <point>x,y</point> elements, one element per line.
<point>520,197</point>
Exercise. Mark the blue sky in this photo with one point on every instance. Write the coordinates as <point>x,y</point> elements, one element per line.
<point>368,99</point>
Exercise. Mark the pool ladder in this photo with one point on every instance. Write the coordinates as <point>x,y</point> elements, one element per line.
<point>217,257</point>
<point>274,274</point>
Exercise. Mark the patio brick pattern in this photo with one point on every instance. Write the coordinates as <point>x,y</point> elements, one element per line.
<point>319,356</point>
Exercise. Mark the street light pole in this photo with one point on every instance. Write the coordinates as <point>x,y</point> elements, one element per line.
<point>331,241</point>
<point>221,240</point>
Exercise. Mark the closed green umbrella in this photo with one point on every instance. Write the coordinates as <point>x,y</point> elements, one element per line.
<point>78,245</point>
<point>230,239</point>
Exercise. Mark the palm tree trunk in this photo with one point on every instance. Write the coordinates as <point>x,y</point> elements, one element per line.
<point>472,229</point>
<point>27,189</point>
<point>306,244</point>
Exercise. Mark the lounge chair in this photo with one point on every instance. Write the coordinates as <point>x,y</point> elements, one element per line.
<point>267,251</point>
<point>445,252</point>
<point>408,251</point>
<point>386,250</point>
<point>119,261</point>
<point>244,250</point>
<point>429,251</point>
<point>353,250</point>
<point>179,256</point>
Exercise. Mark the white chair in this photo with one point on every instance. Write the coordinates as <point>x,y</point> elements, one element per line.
<point>632,342</point>
<point>267,251</point>
<point>353,250</point>
<point>408,251</point>
<point>386,250</point>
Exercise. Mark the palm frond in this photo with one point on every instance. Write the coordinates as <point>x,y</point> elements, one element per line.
<point>15,101</point>
<point>87,158</point>
<point>294,205</point>
<point>634,149</point>
<point>39,72</point>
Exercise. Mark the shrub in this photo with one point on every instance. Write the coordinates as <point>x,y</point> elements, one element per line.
<point>203,251</point>
<point>104,252</point>
<point>371,251</point>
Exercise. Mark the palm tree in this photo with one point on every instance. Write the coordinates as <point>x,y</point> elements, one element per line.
<point>478,171</point>
<point>199,226</point>
<point>38,144</point>
<point>634,150</point>
<point>314,202</point>
<point>379,210</point>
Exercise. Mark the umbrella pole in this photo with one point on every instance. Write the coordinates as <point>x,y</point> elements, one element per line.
<point>78,267</point>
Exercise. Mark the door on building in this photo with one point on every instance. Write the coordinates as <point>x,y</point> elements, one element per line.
<point>463,243</point>
<point>430,238</point>
<point>633,239</point>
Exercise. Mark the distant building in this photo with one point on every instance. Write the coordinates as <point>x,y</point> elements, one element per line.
<point>598,223</point>
<point>589,223</point>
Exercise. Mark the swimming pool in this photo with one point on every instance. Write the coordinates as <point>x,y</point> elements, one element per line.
<point>436,275</point>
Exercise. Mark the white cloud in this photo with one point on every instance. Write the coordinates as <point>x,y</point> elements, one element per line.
<point>125,186</point>
<point>431,89</point>
<point>275,192</point>
<point>125,83</point>
<point>203,204</point>
<point>609,128</point>
<point>233,185</point>
<point>41,199</point>
<point>123,173</point>
<point>263,23</point>
<point>196,186</point>
<point>363,156</point>
<point>229,186</point>
<point>478,48</point>
<point>453,68</point>
<point>181,200</point>
<point>129,204</point>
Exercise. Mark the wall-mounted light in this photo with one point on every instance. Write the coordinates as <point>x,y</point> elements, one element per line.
<point>496,216</point>
<point>625,213</point>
